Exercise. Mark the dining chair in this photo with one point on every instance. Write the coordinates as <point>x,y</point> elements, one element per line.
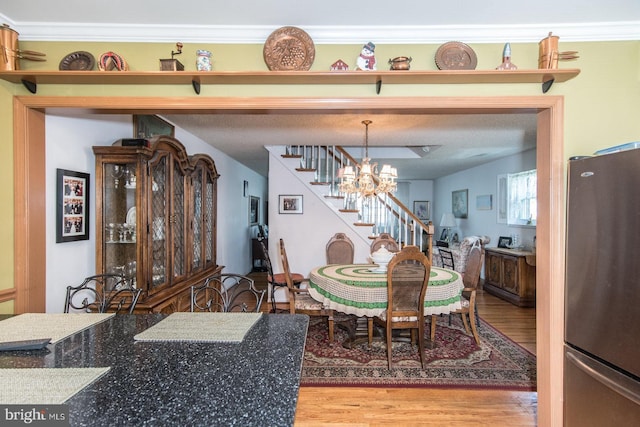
<point>339,249</point>
<point>102,293</point>
<point>299,299</point>
<point>446,258</point>
<point>277,281</point>
<point>470,279</point>
<point>227,293</point>
<point>384,239</point>
<point>407,281</point>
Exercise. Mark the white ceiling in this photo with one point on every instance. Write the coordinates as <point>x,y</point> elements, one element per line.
<point>458,136</point>
<point>337,21</point>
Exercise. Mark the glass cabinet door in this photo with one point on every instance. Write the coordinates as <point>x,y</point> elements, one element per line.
<point>202,244</point>
<point>119,217</point>
<point>158,215</point>
<point>209,212</point>
<point>196,229</point>
<point>178,224</point>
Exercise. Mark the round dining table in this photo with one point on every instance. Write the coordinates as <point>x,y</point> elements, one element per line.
<point>361,290</point>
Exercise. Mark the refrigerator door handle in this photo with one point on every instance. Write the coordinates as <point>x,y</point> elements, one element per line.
<point>588,366</point>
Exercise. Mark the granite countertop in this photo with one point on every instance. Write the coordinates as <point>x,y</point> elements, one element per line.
<point>252,383</point>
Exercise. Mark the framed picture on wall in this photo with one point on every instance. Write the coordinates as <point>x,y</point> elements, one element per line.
<point>72,206</point>
<point>254,210</point>
<point>290,204</point>
<point>460,203</point>
<point>484,203</point>
<point>422,210</point>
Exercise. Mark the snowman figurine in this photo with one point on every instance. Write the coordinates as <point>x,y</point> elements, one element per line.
<point>367,60</point>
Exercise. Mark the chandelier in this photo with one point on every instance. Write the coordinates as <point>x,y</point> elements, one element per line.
<point>367,182</point>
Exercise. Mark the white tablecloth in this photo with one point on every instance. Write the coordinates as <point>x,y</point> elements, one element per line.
<point>354,289</point>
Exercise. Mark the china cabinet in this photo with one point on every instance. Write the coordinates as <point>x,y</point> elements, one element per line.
<point>156,219</point>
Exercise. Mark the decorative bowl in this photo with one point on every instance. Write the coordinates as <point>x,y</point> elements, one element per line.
<point>382,257</point>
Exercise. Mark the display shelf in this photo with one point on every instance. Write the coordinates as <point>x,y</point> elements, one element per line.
<point>31,79</point>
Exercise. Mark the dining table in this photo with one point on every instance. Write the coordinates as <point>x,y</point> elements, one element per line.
<point>250,380</point>
<point>361,289</point>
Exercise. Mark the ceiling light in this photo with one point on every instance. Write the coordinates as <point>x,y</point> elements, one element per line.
<point>368,182</point>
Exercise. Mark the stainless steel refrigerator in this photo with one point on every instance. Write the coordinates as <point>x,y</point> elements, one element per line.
<point>602,301</point>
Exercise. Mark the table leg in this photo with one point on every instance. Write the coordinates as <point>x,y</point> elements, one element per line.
<point>359,332</point>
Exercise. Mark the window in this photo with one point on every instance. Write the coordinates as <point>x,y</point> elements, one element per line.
<point>522,206</point>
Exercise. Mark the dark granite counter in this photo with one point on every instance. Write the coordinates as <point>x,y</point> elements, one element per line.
<point>252,383</point>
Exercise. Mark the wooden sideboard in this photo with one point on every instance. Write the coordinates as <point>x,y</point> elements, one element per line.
<point>511,275</point>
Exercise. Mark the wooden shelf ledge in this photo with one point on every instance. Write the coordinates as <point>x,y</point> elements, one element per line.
<point>197,78</point>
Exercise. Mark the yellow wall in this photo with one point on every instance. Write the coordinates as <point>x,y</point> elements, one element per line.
<point>602,103</point>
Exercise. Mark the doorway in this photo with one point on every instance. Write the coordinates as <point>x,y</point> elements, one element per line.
<point>29,189</point>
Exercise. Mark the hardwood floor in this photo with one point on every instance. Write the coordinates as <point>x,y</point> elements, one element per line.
<point>370,407</point>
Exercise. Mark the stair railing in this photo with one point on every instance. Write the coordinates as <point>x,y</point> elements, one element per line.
<point>383,212</point>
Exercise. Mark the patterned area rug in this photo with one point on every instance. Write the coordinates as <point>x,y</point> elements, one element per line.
<point>457,361</point>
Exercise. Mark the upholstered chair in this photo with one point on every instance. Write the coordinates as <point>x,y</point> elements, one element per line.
<point>340,249</point>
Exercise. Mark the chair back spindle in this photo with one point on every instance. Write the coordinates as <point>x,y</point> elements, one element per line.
<point>102,293</point>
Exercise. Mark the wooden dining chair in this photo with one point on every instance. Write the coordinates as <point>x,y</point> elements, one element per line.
<point>407,281</point>
<point>299,299</point>
<point>384,239</point>
<point>276,281</point>
<point>102,293</point>
<point>446,258</point>
<point>470,279</point>
<point>227,293</point>
<point>339,249</point>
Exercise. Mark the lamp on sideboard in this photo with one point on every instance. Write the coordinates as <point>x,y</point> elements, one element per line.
<point>447,221</point>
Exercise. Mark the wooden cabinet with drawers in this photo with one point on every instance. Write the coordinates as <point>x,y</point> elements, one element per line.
<point>511,275</point>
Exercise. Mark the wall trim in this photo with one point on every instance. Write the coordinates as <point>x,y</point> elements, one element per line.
<point>238,34</point>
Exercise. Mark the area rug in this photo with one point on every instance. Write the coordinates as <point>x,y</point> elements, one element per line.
<point>456,361</point>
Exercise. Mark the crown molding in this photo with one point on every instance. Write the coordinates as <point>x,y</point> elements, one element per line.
<point>585,32</point>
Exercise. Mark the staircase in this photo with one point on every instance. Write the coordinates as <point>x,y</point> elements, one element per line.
<point>319,166</point>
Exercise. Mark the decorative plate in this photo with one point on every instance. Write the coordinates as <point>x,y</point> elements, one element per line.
<point>112,61</point>
<point>78,61</point>
<point>456,56</point>
<point>289,49</point>
<point>131,216</point>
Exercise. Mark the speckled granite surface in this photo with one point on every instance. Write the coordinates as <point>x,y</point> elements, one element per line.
<point>252,383</point>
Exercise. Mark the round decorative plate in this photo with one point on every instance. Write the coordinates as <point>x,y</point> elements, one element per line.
<point>131,216</point>
<point>112,61</point>
<point>289,49</point>
<point>78,61</point>
<point>456,56</point>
